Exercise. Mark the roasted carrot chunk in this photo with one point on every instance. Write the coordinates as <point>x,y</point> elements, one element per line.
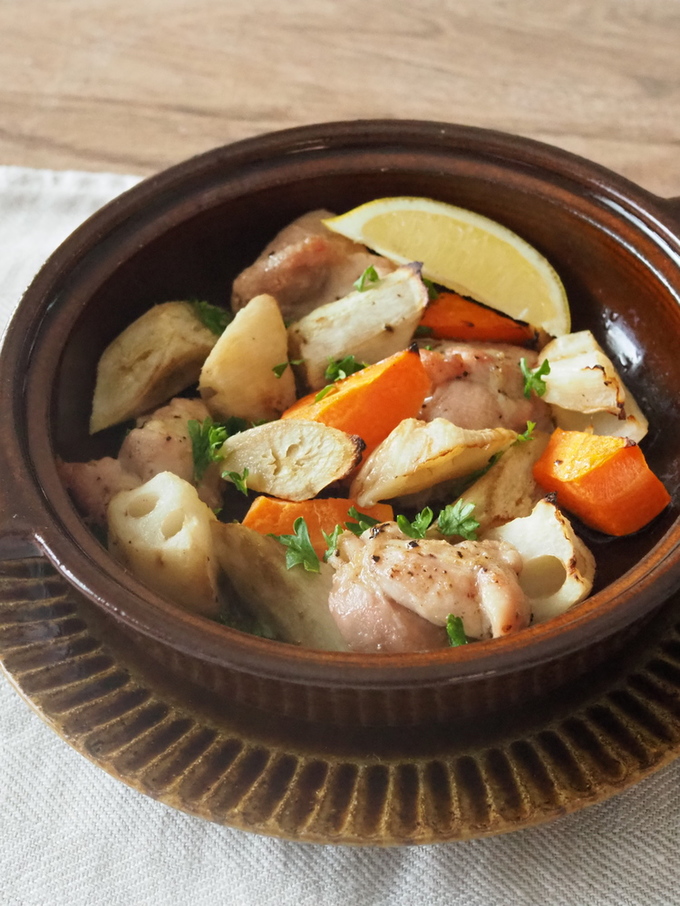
<point>372,402</point>
<point>453,317</point>
<point>605,481</point>
<point>277,517</point>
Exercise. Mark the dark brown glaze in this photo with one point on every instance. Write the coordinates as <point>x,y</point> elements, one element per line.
<point>188,232</point>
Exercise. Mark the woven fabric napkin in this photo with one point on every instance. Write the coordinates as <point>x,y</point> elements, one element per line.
<point>73,836</point>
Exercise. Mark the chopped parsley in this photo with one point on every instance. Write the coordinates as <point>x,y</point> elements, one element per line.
<point>336,370</point>
<point>279,369</point>
<point>341,368</point>
<point>211,316</point>
<point>329,388</point>
<point>299,548</point>
<point>206,440</point>
<point>418,527</point>
<point>367,279</point>
<point>455,631</point>
<point>422,331</point>
<point>534,380</point>
<point>331,541</point>
<point>432,291</point>
<point>238,479</point>
<point>457,519</point>
<point>526,435</point>
<point>362,523</point>
<point>235,424</point>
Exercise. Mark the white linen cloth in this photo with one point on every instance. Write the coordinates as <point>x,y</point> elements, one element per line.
<point>70,835</point>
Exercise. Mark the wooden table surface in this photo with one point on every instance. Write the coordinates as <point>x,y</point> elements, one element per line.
<point>135,86</point>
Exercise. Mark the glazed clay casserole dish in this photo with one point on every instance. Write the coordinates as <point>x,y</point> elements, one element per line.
<point>187,233</point>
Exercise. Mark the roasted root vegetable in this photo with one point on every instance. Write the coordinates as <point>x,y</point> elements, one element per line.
<point>453,317</point>
<point>508,489</point>
<point>247,373</point>
<point>557,567</point>
<point>152,360</point>
<point>371,402</point>
<point>290,458</point>
<point>161,532</point>
<point>630,423</point>
<point>586,390</point>
<point>418,455</point>
<point>294,602</point>
<point>370,324</point>
<point>605,481</point>
<point>277,517</point>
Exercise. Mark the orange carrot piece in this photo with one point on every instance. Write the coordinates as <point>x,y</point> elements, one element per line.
<point>277,517</point>
<point>453,317</point>
<point>372,402</point>
<point>605,481</point>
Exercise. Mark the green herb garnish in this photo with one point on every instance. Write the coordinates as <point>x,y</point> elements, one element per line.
<point>336,370</point>
<point>534,380</point>
<point>299,547</point>
<point>526,435</point>
<point>329,388</point>
<point>211,316</point>
<point>457,519</point>
<point>341,368</point>
<point>422,331</point>
<point>432,291</point>
<point>238,479</point>
<point>367,279</point>
<point>455,631</point>
<point>206,440</point>
<point>235,424</point>
<point>418,527</point>
<point>279,369</point>
<point>331,541</point>
<point>362,523</point>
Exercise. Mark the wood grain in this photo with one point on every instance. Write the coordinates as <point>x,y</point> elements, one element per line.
<point>134,87</point>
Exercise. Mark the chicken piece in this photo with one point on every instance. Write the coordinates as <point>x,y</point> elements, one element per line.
<point>383,573</point>
<point>481,386</point>
<point>159,443</point>
<point>93,484</point>
<point>368,619</point>
<point>304,266</point>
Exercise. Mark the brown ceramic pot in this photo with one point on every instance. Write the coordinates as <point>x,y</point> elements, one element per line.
<point>187,232</point>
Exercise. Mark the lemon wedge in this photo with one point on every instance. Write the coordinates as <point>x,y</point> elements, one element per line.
<point>464,251</point>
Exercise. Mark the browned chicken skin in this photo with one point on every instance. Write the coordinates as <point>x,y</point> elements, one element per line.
<point>393,593</point>
<point>306,265</point>
<point>481,386</point>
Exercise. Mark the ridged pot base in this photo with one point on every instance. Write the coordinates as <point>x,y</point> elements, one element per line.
<point>315,782</point>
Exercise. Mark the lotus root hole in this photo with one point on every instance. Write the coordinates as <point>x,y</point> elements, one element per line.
<point>142,505</point>
<point>542,576</point>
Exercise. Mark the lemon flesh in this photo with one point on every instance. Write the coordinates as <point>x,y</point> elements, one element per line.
<point>464,251</point>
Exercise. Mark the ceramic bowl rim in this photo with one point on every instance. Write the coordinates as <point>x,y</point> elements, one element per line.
<point>65,540</point>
